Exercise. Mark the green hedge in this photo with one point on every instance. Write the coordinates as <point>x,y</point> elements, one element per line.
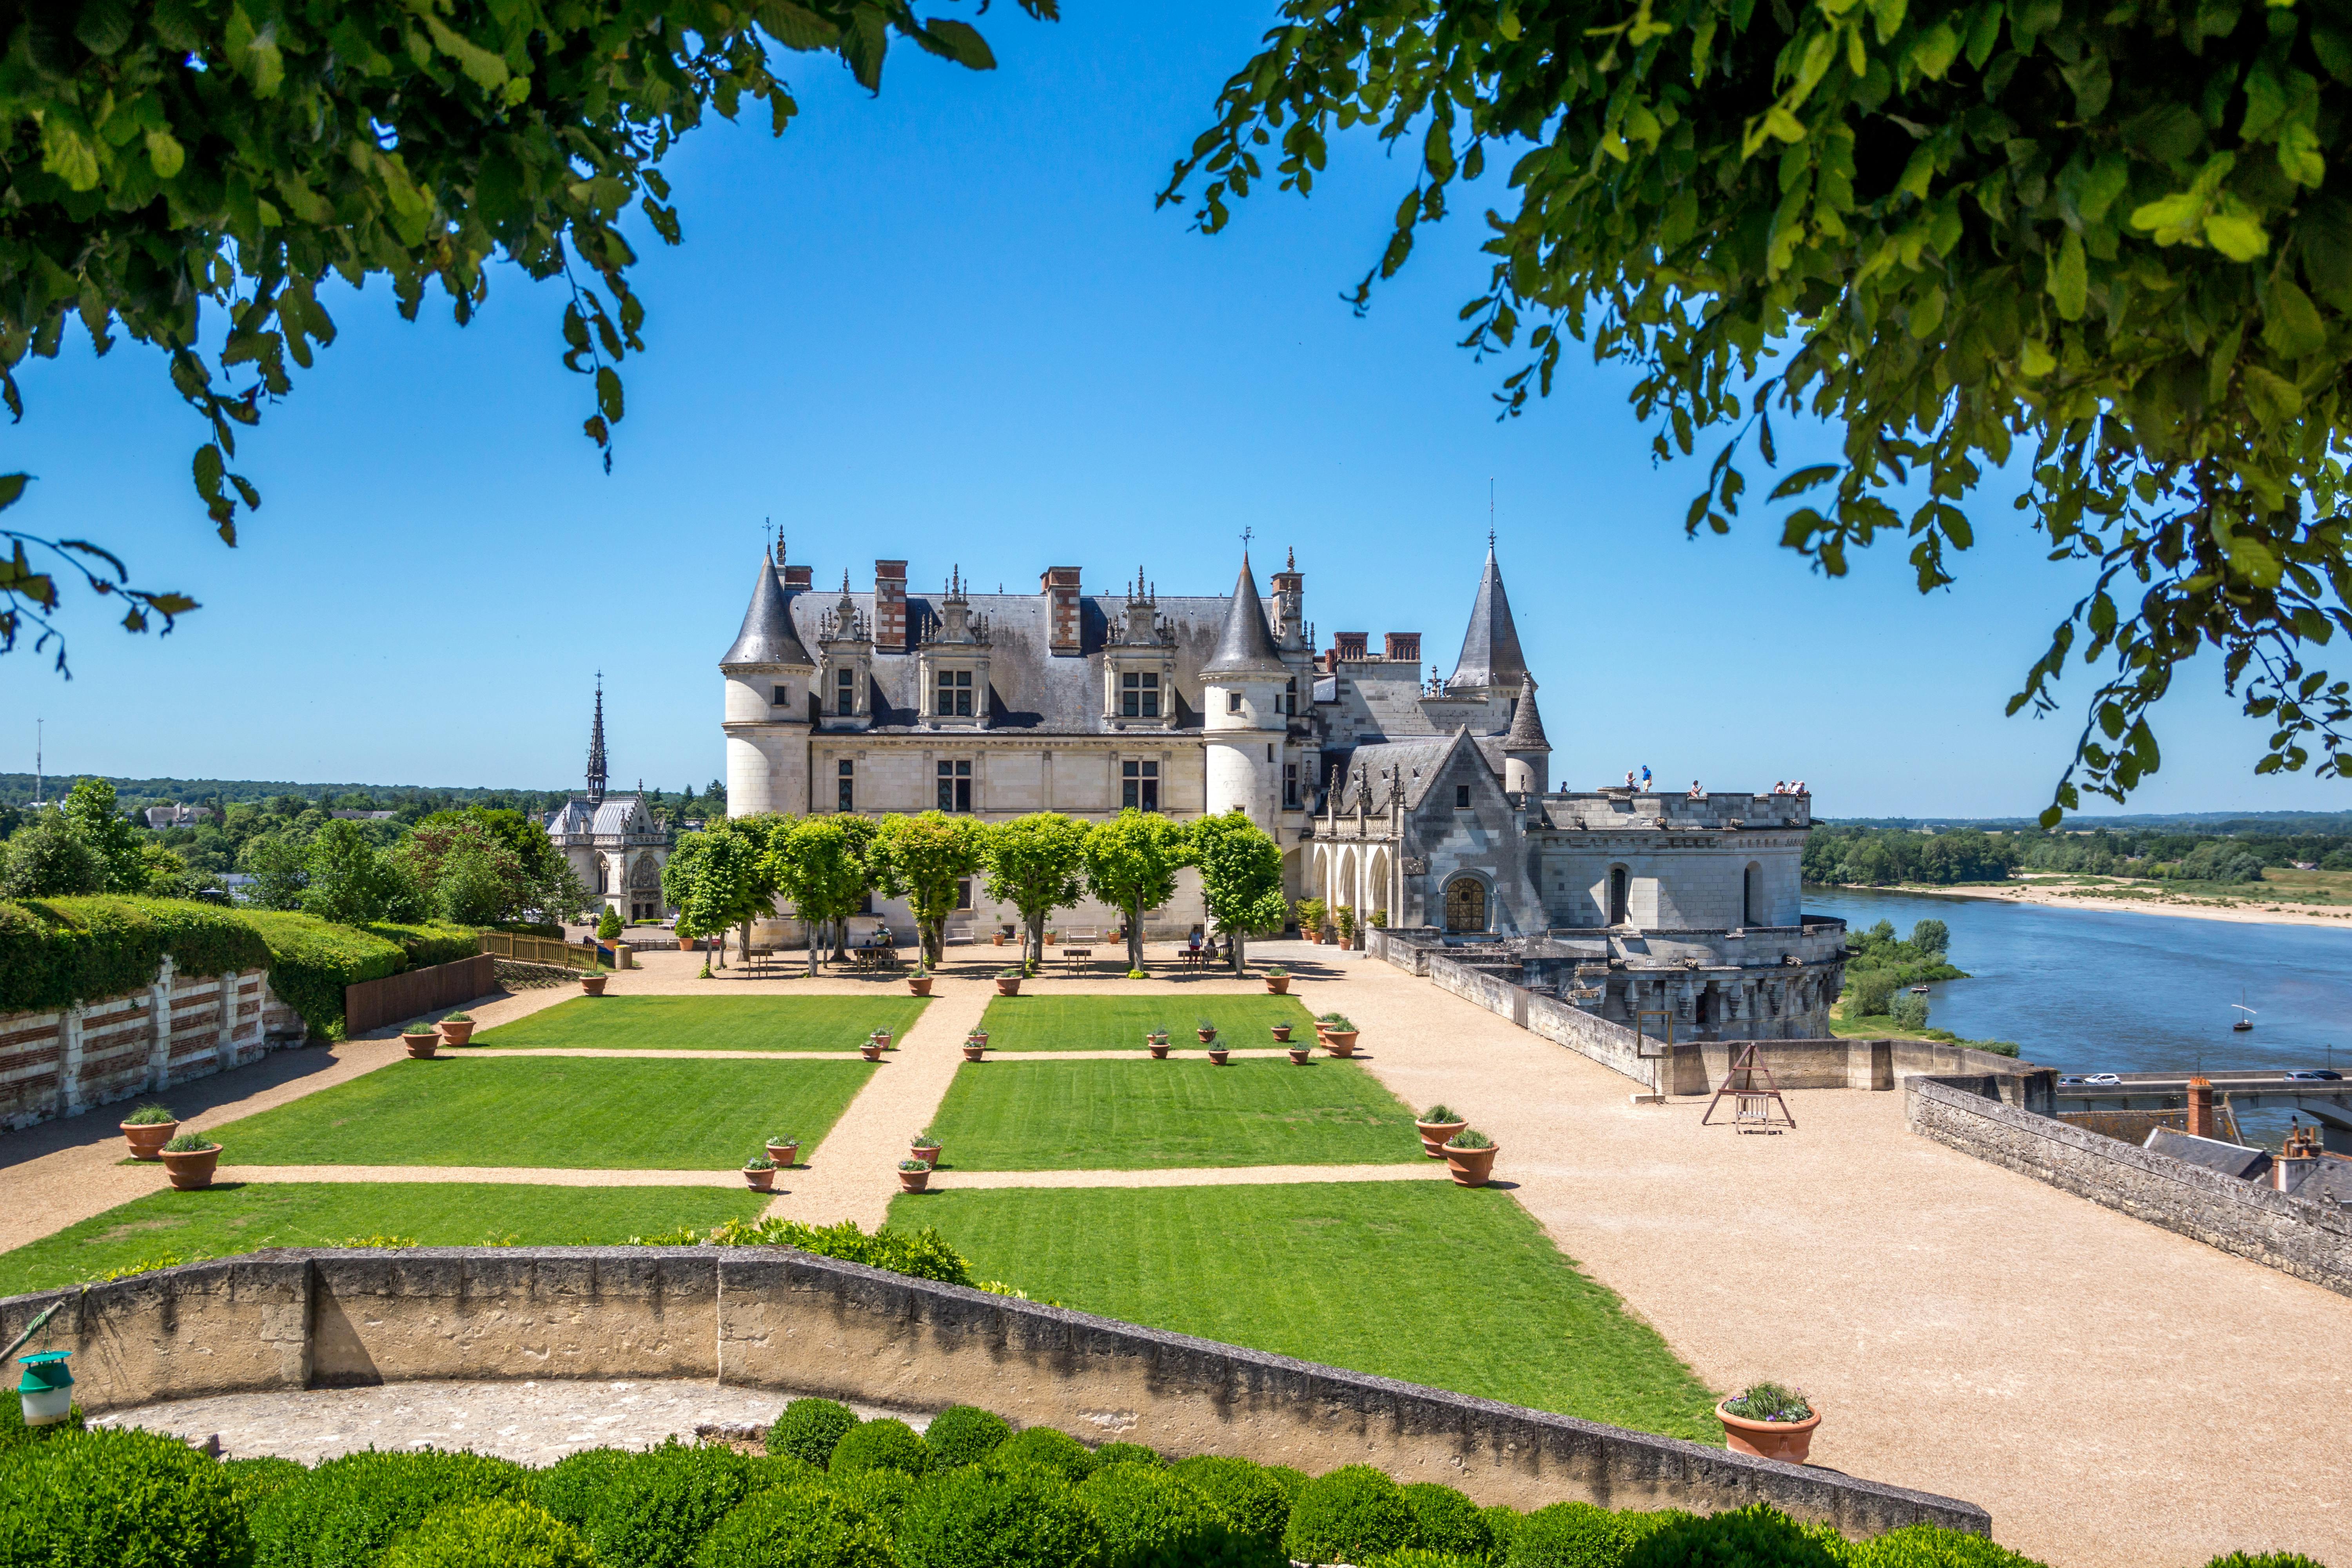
<point>54,953</point>
<point>312,959</point>
<point>124,1500</point>
<point>426,945</point>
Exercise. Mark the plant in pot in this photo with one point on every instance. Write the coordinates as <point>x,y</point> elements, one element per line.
<point>1281,1033</point>
<point>1470,1158</point>
<point>1218,1054</point>
<point>760,1174</point>
<point>1770,1421</point>
<point>919,982</point>
<point>420,1040</point>
<point>926,1148</point>
<point>457,1029</point>
<point>914,1175</point>
<point>881,1038</point>
<point>784,1150</point>
<point>1157,1043</point>
<point>1277,981</point>
<point>190,1160</point>
<point>871,1050</point>
<point>1338,1033</point>
<point>148,1129</point>
<point>592,978</point>
<point>1207,1029</point>
<point>1438,1126</point>
<point>975,1045</point>
<point>1008,981</point>
<point>1301,1053</point>
<point>1345,919</point>
<point>1310,918</point>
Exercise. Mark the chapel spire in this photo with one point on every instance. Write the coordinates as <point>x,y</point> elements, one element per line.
<point>1490,648</point>
<point>596,748</point>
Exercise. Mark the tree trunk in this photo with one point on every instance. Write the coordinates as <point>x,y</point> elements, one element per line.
<point>1135,936</point>
<point>926,935</point>
<point>841,939</point>
<point>743,942</point>
<point>1235,937</point>
<point>812,949</point>
<point>1033,942</point>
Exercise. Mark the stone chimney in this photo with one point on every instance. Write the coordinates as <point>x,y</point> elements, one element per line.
<point>1060,585</point>
<point>2294,1160</point>
<point>1289,586</point>
<point>889,606</point>
<point>796,577</point>
<point>2200,1107</point>
<point>1403,647</point>
<point>1349,647</point>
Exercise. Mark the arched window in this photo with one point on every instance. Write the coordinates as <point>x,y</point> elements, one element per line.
<point>1616,895</point>
<point>1751,904</point>
<point>1465,904</point>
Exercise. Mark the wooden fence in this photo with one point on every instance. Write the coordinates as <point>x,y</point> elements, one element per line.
<point>373,1004</point>
<point>539,949</point>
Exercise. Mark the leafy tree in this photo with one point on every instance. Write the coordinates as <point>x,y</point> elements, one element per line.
<point>1241,877</point>
<point>921,859</point>
<point>47,860</point>
<point>92,811</point>
<point>719,878</point>
<point>1931,936</point>
<point>347,879</point>
<point>1131,864</point>
<point>352,140</point>
<point>1036,863</point>
<point>279,868</point>
<point>819,863</point>
<point>464,873</point>
<point>2095,240</point>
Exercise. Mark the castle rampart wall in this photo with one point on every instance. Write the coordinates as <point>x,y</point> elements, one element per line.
<point>178,1027</point>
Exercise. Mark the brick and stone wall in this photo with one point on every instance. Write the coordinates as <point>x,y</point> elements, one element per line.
<point>773,1318</point>
<point>179,1027</point>
<point>2310,1240</point>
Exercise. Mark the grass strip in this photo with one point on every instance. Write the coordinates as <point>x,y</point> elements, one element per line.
<point>625,1113</point>
<point>1040,1114</point>
<point>1120,1022</point>
<point>706,1024</point>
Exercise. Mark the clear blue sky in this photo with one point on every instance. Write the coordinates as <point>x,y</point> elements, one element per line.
<point>947,324</point>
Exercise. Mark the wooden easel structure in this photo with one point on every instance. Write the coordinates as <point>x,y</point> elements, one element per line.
<point>1751,1108</point>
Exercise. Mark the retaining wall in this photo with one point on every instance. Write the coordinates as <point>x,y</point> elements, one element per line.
<point>178,1027</point>
<point>773,1317</point>
<point>2310,1240</point>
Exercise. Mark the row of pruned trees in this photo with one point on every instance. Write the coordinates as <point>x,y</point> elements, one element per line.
<point>825,867</point>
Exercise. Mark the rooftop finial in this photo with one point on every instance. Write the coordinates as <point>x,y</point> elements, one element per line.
<point>1490,514</point>
<point>1289,558</point>
<point>596,747</point>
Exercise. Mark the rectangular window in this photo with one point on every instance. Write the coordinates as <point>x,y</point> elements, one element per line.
<point>1290,697</point>
<point>954,694</point>
<point>955,786</point>
<point>1233,701</point>
<point>847,783</point>
<point>963,893</point>
<point>782,695</point>
<point>1138,786</point>
<point>1461,797</point>
<point>1139,694</point>
<point>1290,786</point>
<point>844,693</point>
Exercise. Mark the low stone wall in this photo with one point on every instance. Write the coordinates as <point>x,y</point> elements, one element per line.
<point>178,1027</point>
<point>1612,1044</point>
<point>2310,1240</point>
<point>773,1318</point>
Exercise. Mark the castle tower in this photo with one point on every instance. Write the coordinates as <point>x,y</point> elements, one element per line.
<point>771,681</point>
<point>1491,662</point>
<point>596,748</point>
<point>1527,754</point>
<point>1242,683</point>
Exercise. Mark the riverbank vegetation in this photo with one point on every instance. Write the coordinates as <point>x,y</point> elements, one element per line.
<point>1878,1002</point>
<point>2127,863</point>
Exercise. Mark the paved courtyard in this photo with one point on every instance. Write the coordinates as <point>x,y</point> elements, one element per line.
<point>1966,1331</point>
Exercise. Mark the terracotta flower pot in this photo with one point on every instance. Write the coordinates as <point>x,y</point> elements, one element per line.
<point>1789,1441</point>
<point>1281,1033</point>
<point>786,1155</point>
<point>1000,939</point>
<point>920,984</point>
<point>870,1051</point>
<point>420,1046</point>
<point>1299,1055</point>
<point>192,1171</point>
<point>685,945</point>
<point>594,984</point>
<point>928,1153</point>
<point>1436,1135</point>
<point>881,1038</point>
<point>1339,1042</point>
<point>972,1053</point>
<point>1159,1049</point>
<point>913,1181</point>
<point>1207,1035</point>
<point>1217,1054</point>
<point>1470,1167</point>
<point>1277,985</point>
<point>456,1033</point>
<point>977,1038</point>
<point>1008,986</point>
<point>147,1139</point>
<point>760,1181</point>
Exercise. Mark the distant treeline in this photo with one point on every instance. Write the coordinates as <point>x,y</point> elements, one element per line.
<point>1879,856</point>
<point>2197,822</point>
<point>413,802</point>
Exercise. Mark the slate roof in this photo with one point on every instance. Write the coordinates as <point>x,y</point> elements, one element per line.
<point>1526,724</point>
<point>610,819</point>
<point>1490,648</point>
<point>1245,643</point>
<point>1418,762</point>
<point>2211,1153</point>
<point>768,636</point>
<point>2329,1177</point>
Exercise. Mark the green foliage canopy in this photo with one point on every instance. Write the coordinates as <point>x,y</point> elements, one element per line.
<point>921,859</point>
<point>1241,877</point>
<point>1036,863</point>
<point>2111,240</point>
<point>819,863</point>
<point>1131,863</point>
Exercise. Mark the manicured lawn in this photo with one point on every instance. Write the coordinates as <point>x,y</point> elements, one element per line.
<point>1120,1022</point>
<point>707,1023</point>
<point>1440,1285</point>
<point>1045,1115</point>
<point>630,1113</point>
<point>248,1217</point>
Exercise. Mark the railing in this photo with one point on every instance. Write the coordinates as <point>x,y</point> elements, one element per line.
<point>539,949</point>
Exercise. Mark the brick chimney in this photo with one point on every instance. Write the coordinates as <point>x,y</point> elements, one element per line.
<point>1404,647</point>
<point>1060,585</point>
<point>2200,1107</point>
<point>890,606</point>
<point>1349,647</point>
<point>2291,1166</point>
<point>796,577</point>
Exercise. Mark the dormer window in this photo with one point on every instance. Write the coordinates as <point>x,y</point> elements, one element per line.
<point>1139,694</point>
<point>952,699</point>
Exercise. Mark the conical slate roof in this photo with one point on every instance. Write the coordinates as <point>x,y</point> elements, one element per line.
<point>1526,724</point>
<point>1490,648</point>
<point>768,636</point>
<point>1244,645</point>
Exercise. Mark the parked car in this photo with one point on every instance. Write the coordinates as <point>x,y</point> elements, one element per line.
<point>2064,1079</point>
<point>2102,1077</point>
<point>2315,1075</point>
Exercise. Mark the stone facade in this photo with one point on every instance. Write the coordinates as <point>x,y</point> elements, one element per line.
<point>612,842</point>
<point>178,1027</point>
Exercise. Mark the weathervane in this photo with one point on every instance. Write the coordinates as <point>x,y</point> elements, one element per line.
<point>1490,511</point>
<point>1246,534</point>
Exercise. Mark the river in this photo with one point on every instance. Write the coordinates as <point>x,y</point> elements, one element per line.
<point>2086,991</point>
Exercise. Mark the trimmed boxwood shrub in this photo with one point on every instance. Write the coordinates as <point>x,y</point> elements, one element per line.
<point>1151,1519</point>
<point>810,1526</point>
<point>1291,1482</point>
<point>120,1499</point>
<point>13,1430</point>
<point>1756,1536</point>
<point>1044,1447</point>
<point>260,1477</point>
<point>1253,1502</point>
<point>882,1493</point>
<point>1354,1513</point>
<point>964,1435</point>
<point>434,942</point>
<point>1444,1520</point>
<point>56,951</point>
<point>501,1533</point>
<point>809,1428</point>
<point>882,1443</point>
<point>1932,1546</point>
<point>979,1516</point>
<point>1502,1522</point>
<point>2234,1559</point>
<point>344,1513</point>
<point>651,1509</point>
<point>1570,1535</point>
<point>1422,1557</point>
<point>1127,1454</point>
